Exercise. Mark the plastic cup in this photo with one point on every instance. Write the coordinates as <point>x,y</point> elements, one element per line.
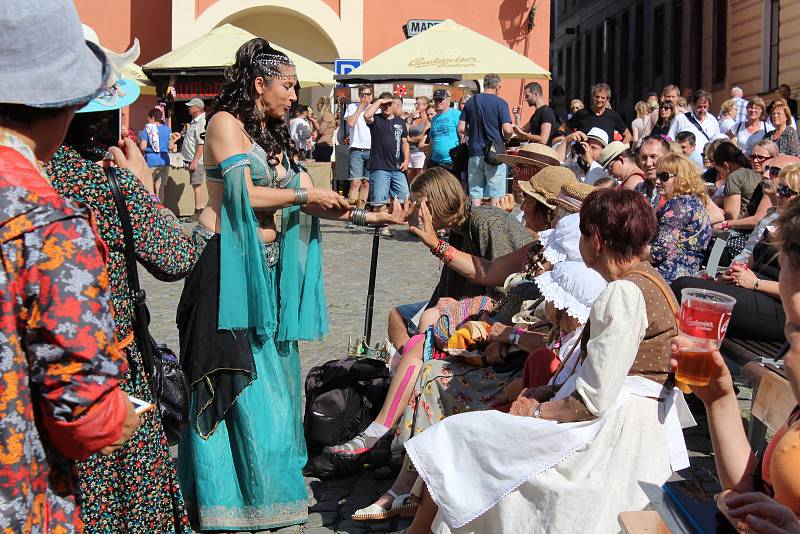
<point>703,321</point>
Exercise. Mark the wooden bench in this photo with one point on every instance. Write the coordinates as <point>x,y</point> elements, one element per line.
<point>773,401</point>
<point>749,356</point>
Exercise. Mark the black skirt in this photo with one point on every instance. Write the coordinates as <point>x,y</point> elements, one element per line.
<point>218,363</point>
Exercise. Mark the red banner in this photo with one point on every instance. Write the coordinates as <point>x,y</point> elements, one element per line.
<point>189,88</point>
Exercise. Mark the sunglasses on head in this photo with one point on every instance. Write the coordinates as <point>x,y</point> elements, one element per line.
<point>664,176</point>
<point>784,191</point>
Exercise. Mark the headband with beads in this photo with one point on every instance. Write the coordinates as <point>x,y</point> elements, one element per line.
<point>270,64</point>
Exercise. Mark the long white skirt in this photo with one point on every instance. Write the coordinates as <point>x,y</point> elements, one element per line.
<point>571,488</point>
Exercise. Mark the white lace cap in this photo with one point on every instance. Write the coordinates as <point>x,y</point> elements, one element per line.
<point>573,287</point>
<point>562,243</point>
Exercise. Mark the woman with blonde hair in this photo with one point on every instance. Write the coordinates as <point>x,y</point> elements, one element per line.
<point>727,115</point>
<point>752,130</point>
<point>323,129</point>
<point>684,228</point>
<point>417,131</point>
<point>637,126</point>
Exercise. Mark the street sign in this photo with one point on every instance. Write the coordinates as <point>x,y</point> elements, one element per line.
<point>344,66</point>
<point>415,26</point>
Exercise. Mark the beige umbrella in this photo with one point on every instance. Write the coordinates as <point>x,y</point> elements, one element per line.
<point>217,49</point>
<point>447,51</point>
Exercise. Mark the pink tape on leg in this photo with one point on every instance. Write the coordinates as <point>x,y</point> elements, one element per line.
<point>398,395</point>
<point>413,342</point>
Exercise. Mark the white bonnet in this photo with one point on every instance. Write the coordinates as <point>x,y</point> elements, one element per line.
<point>561,243</point>
<point>573,287</point>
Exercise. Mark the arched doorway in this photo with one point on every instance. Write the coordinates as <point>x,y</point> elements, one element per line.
<point>287,28</point>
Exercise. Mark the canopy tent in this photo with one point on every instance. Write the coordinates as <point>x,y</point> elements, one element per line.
<point>445,52</point>
<point>134,72</point>
<point>214,51</point>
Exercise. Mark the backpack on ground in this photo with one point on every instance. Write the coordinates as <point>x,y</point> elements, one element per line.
<point>342,398</point>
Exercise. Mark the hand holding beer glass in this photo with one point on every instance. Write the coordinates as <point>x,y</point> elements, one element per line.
<point>703,321</point>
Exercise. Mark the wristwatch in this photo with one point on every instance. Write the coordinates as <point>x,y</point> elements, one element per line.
<point>537,412</point>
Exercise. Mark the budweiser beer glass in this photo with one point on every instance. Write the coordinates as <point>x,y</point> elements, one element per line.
<point>704,318</point>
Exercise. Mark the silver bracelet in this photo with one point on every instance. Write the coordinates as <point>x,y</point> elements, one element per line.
<point>358,217</point>
<point>300,196</point>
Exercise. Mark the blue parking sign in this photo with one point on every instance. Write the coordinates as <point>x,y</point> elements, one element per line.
<point>344,66</point>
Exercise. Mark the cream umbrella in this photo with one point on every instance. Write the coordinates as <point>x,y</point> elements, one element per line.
<point>217,49</point>
<point>447,51</point>
<point>134,72</point>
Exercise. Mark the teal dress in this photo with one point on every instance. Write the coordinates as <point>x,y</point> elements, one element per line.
<point>242,469</point>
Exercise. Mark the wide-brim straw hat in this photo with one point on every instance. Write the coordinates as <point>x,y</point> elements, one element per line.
<point>611,152</point>
<point>534,154</point>
<point>544,187</point>
<point>45,61</point>
<point>572,195</point>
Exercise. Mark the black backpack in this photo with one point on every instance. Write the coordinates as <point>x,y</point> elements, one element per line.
<point>342,398</point>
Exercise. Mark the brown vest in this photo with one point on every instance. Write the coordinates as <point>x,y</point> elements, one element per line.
<point>652,359</point>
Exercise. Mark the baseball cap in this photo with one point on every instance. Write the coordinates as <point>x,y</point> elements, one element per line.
<point>196,102</point>
<point>440,94</point>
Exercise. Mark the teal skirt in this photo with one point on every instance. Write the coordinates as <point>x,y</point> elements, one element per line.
<point>248,474</point>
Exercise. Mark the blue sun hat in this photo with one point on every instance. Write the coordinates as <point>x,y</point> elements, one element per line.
<point>45,61</point>
<point>119,92</point>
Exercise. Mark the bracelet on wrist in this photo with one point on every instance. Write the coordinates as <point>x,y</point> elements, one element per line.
<point>724,224</point>
<point>300,196</point>
<point>755,286</point>
<point>358,216</point>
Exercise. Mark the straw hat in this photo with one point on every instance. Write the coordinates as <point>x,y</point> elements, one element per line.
<point>44,58</point>
<point>544,187</point>
<point>535,154</point>
<point>612,152</point>
<point>572,196</point>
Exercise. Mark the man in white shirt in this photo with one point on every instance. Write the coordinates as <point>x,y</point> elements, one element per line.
<point>699,121</point>
<point>194,140</point>
<point>360,144</point>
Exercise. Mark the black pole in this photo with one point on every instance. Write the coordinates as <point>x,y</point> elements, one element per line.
<point>373,268</point>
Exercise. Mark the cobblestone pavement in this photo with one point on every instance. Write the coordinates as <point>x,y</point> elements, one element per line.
<point>406,272</point>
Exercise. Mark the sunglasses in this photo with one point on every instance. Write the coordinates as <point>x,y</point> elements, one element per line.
<point>365,94</point>
<point>664,177</point>
<point>784,191</point>
<point>756,157</point>
<point>774,172</point>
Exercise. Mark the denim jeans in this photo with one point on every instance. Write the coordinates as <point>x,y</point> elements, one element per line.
<point>384,185</point>
<point>486,180</point>
<point>358,160</point>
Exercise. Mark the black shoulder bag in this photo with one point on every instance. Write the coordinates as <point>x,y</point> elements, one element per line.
<point>691,118</point>
<point>492,149</point>
<point>166,378</point>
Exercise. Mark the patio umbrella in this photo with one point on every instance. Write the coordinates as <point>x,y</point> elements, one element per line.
<point>134,72</point>
<point>217,49</point>
<point>446,52</point>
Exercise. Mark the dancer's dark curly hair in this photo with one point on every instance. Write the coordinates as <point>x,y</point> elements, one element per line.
<point>237,97</point>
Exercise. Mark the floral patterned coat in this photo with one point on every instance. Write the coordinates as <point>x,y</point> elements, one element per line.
<point>682,237</point>
<point>59,367</point>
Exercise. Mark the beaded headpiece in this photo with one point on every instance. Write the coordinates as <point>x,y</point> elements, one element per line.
<point>270,65</point>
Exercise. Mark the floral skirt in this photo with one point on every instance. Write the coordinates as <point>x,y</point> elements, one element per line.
<point>448,387</point>
<point>135,489</point>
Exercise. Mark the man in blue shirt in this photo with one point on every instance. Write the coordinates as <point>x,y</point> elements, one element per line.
<point>444,130</point>
<point>486,119</point>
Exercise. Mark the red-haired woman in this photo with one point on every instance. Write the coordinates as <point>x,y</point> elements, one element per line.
<point>517,473</point>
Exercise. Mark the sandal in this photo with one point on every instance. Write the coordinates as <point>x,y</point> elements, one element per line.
<point>358,449</point>
<point>401,506</point>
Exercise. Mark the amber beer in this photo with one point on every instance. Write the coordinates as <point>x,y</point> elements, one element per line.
<point>704,319</point>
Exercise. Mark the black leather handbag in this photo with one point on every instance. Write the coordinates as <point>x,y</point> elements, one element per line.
<point>166,377</point>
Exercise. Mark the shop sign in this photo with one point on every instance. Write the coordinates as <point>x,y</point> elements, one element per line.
<point>189,88</point>
<point>416,26</point>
